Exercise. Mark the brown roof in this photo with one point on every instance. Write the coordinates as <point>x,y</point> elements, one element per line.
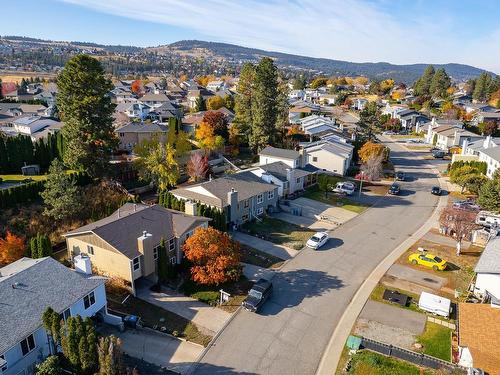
<point>479,330</point>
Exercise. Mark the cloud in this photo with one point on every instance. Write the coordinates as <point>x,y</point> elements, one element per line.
<point>353,30</point>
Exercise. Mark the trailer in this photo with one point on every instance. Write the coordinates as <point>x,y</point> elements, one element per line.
<point>435,304</point>
<point>488,219</point>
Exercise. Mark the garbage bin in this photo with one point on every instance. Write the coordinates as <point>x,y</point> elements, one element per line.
<point>131,321</point>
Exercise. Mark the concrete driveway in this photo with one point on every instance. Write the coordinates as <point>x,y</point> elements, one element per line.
<point>254,273</point>
<point>267,247</point>
<point>157,348</point>
<point>315,210</point>
<point>208,319</point>
<point>423,278</point>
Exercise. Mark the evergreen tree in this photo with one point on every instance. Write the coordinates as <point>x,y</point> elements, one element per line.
<point>110,356</point>
<point>200,104</point>
<point>482,87</point>
<point>79,344</point>
<point>264,108</point>
<point>423,84</point>
<point>282,117</point>
<point>61,195</point>
<point>440,83</point>
<point>243,102</point>
<point>87,112</point>
<point>50,366</point>
<point>162,261</point>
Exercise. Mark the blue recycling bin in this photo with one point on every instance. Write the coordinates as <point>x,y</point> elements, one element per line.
<point>131,321</point>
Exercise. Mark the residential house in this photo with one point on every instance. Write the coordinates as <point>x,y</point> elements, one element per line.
<point>33,126</point>
<point>167,110</point>
<point>327,99</point>
<point>447,136</point>
<point>134,110</point>
<point>27,288</point>
<point>478,333</point>
<point>486,149</point>
<point>488,272</point>
<point>296,95</point>
<point>493,117</point>
<point>332,155</point>
<point>271,154</point>
<point>479,107</point>
<point>242,196</point>
<point>410,119</point>
<point>126,243</point>
<point>216,85</point>
<point>193,95</point>
<point>393,109</point>
<point>359,104</point>
<point>134,133</point>
<point>154,100</point>
<point>316,124</point>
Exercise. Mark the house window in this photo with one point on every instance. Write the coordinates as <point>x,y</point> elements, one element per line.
<point>260,198</point>
<point>298,180</point>
<point>90,250</point>
<point>88,300</point>
<point>173,260</point>
<point>270,195</point>
<point>122,134</point>
<point>315,158</point>
<point>244,218</point>
<point>156,249</point>
<point>27,345</point>
<point>247,203</point>
<point>66,314</point>
<point>171,244</point>
<point>2,360</point>
<point>136,264</point>
<point>260,211</point>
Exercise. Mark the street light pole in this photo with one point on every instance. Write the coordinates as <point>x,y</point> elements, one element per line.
<point>361,184</point>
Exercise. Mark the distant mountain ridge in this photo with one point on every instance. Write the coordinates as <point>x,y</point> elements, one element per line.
<point>380,70</point>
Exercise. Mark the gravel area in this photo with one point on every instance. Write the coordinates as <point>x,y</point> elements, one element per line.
<point>380,332</point>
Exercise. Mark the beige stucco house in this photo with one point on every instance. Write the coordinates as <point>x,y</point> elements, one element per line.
<point>125,244</point>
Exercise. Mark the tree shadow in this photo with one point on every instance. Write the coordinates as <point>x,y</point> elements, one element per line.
<point>209,369</point>
<point>292,287</point>
<point>331,244</point>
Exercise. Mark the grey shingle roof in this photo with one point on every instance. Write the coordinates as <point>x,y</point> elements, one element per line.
<point>141,127</point>
<point>280,153</point>
<point>492,152</point>
<point>245,183</point>
<point>122,228</point>
<point>39,283</point>
<point>490,258</point>
<point>279,170</point>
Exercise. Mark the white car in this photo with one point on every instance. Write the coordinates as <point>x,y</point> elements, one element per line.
<point>345,187</point>
<point>318,240</point>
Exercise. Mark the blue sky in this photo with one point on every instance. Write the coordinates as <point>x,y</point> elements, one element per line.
<point>396,31</point>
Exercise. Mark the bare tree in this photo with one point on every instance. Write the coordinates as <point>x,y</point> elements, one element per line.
<point>373,167</point>
<point>198,167</point>
<point>458,223</point>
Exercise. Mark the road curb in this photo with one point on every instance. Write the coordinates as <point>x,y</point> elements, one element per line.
<point>331,356</point>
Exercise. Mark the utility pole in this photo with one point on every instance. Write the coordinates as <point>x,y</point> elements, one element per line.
<point>361,183</point>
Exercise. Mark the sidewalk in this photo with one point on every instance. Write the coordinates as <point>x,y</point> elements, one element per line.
<point>208,319</point>
<point>267,247</point>
<point>255,273</point>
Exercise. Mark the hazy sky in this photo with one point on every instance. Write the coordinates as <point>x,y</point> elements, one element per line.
<point>396,31</point>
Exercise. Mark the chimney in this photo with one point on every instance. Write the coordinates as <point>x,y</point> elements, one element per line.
<point>190,208</point>
<point>83,264</point>
<point>487,142</point>
<point>456,138</point>
<point>143,240</point>
<point>465,144</point>
<point>232,201</point>
<point>289,176</point>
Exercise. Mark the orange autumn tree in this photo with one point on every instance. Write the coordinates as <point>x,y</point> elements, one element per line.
<point>371,149</point>
<point>137,87</point>
<point>215,256</point>
<point>11,248</point>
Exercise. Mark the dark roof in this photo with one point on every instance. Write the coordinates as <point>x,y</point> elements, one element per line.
<point>141,127</point>
<point>122,228</point>
<point>280,153</point>
<point>40,283</point>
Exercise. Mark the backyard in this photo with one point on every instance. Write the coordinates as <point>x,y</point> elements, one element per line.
<point>279,232</point>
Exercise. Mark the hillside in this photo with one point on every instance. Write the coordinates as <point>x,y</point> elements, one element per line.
<point>379,70</point>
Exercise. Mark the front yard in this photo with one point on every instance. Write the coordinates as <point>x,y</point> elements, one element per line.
<point>334,199</point>
<point>436,341</point>
<point>157,318</point>
<point>378,292</point>
<point>258,258</point>
<point>279,232</point>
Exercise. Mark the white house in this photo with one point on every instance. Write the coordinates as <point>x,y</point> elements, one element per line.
<point>488,272</point>
<point>27,287</point>
<point>333,155</point>
<point>296,94</point>
<point>315,124</point>
<point>359,103</point>
<point>216,85</point>
<point>272,154</point>
<point>486,149</point>
<point>138,110</point>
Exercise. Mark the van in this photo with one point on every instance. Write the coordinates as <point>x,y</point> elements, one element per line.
<point>488,219</point>
<point>434,304</point>
<point>345,188</point>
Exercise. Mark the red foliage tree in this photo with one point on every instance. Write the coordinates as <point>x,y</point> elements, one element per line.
<point>215,256</point>
<point>12,248</point>
<point>198,167</point>
<point>137,87</point>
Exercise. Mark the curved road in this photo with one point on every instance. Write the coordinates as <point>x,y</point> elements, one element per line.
<point>291,332</point>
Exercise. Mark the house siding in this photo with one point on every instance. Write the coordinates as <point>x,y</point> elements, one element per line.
<point>328,161</point>
<point>488,282</point>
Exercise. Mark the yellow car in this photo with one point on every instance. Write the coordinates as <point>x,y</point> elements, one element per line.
<point>428,260</point>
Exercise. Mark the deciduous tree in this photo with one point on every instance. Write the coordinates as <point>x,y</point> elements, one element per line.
<point>215,102</point>
<point>86,109</point>
<point>373,167</point>
<point>205,135</point>
<point>198,167</point>
<point>215,257</point>
<point>459,223</point>
<point>370,149</point>
<point>157,164</point>
<point>137,87</point>
<point>110,356</point>
<point>12,248</point>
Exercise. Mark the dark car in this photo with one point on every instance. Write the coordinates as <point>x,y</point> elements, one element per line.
<point>438,154</point>
<point>400,176</point>
<point>436,190</point>
<point>394,189</point>
<point>259,293</point>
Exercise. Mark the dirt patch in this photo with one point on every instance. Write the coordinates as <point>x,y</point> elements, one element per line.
<point>380,332</point>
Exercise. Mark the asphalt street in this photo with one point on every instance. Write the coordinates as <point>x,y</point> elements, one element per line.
<point>291,332</point>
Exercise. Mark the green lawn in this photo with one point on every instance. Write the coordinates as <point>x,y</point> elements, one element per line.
<point>210,293</point>
<point>279,232</point>
<point>378,293</point>
<point>259,258</point>
<point>154,317</point>
<point>20,177</point>
<point>436,341</point>
<point>365,362</point>
<point>334,200</point>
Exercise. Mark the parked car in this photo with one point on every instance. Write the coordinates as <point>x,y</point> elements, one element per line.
<point>345,187</point>
<point>400,176</point>
<point>394,189</point>
<point>438,154</point>
<point>428,260</point>
<point>318,240</point>
<point>436,190</point>
<point>259,293</point>
<point>466,205</point>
